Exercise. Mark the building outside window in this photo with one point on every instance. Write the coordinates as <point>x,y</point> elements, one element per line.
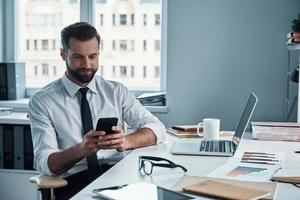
<point>40,22</point>
<point>144,19</point>
<point>53,44</point>
<point>113,45</point>
<point>132,19</point>
<point>123,45</point>
<point>114,71</point>
<point>113,19</point>
<point>132,71</point>
<point>157,19</point>
<point>45,45</point>
<point>35,70</point>
<point>123,19</point>
<point>27,45</point>
<point>54,71</point>
<point>144,45</point>
<point>45,69</point>
<point>35,44</point>
<point>123,71</point>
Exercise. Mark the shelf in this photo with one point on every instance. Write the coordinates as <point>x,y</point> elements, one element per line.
<point>292,47</point>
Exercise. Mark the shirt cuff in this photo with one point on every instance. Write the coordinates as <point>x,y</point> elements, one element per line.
<point>159,131</point>
<point>42,162</point>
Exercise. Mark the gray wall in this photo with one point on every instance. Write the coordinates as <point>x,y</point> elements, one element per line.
<point>219,51</point>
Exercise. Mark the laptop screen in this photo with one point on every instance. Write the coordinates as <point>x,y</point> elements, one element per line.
<point>243,123</point>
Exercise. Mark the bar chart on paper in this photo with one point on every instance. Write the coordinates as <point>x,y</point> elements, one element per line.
<point>248,171</point>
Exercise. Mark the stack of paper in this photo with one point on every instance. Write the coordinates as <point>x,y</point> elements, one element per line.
<point>153,99</point>
<point>282,131</point>
<point>5,111</point>
<point>250,166</point>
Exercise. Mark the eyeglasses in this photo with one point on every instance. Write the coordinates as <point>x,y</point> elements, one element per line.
<point>145,163</point>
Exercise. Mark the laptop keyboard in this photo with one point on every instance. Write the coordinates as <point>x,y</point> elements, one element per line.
<point>217,146</point>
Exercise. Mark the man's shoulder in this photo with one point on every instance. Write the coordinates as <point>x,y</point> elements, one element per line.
<point>51,89</point>
<point>108,84</point>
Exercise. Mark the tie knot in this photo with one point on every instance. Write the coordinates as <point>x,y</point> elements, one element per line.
<point>83,91</point>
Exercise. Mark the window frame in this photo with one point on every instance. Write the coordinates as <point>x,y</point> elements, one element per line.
<point>87,13</point>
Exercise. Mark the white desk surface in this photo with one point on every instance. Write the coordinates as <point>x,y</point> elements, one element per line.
<point>126,171</point>
<point>15,118</point>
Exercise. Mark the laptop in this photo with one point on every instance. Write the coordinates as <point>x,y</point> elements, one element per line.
<point>217,147</point>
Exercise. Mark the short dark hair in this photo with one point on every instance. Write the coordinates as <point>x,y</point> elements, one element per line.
<point>82,31</point>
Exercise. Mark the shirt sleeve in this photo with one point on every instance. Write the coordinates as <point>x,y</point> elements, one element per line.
<point>138,116</point>
<point>43,134</point>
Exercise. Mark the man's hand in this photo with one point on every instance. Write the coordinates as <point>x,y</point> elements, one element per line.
<point>116,140</point>
<point>89,144</point>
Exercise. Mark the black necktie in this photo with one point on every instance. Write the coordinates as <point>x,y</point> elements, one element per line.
<point>87,123</point>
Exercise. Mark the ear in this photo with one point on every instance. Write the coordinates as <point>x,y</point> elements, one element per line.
<point>63,54</point>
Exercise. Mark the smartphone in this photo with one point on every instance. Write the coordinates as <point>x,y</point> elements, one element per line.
<point>106,124</point>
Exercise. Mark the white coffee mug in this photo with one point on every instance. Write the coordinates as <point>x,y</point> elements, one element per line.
<point>211,128</point>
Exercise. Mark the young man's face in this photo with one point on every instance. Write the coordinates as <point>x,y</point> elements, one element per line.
<point>81,60</point>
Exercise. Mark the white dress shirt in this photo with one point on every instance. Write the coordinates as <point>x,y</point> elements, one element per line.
<point>56,125</point>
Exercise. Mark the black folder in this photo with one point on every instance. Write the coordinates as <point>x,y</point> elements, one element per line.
<point>28,149</point>
<point>1,147</point>
<point>8,147</point>
<point>18,147</point>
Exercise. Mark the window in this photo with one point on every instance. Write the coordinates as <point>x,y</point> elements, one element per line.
<point>114,45</point>
<point>27,45</point>
<point>144,71</point>
<point>157,19</point>
<point>123,71</point>
<point>45,69</point>
<point>113,19</point>
<point>53,44</point>
<point>123,19</point>
<point>35,70</point>
<point>157,45</point>
<point>132,71</point>
<point>144,45</point>
<point>144,19</point>
<point>54,71</point>
<point>45,45</point>
<point>123,45</point>
<point>114,71</point>
<point>101,19</point>
<point>40,22</point>
<point>35,45</point>
<point>156,72</point>
<point>130,41</point>
<point>132,19</point>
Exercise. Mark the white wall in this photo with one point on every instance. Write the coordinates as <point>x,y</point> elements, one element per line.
<point>219,51</point>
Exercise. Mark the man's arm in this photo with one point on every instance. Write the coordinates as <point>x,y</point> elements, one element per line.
<point>141,138</point>
<point>62,161</point>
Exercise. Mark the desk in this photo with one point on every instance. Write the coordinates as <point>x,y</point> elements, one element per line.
<point>126,171</point>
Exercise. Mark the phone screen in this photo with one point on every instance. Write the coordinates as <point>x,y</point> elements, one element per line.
<point>106,124</point>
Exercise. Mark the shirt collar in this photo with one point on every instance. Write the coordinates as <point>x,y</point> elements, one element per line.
<point>72,88</point>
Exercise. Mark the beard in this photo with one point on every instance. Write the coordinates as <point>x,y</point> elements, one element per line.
<point>82,75</point>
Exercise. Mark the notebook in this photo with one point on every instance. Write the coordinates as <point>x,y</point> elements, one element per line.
<point>223,190</point>
<point>218,147</point>
<point>288,175</point>
<point>270,187</point>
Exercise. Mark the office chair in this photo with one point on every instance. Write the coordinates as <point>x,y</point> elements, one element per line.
<point>46,184</point>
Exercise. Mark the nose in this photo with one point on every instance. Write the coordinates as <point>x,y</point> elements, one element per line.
<point>85,62</point>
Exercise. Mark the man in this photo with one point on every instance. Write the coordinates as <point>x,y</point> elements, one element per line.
<point>63,116</point>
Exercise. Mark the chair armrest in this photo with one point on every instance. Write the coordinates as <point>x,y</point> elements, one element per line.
<point>44,182</point>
